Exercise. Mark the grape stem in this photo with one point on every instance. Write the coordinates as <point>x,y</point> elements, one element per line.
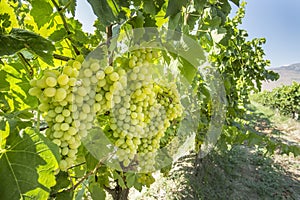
<point>109,36</point>
<point>99,164</point>
<point>60,57</point>
<point>26,64</point>
<point>86,176</point>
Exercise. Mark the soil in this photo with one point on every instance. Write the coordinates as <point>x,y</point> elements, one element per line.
<point>242,172</point>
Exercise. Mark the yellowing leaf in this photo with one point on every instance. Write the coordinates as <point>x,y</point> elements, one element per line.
<point>3,134</point>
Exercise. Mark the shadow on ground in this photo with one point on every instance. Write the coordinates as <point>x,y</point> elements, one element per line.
<point>241,173</point>
<point>260,123</point>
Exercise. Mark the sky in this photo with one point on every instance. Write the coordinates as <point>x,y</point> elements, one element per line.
<point>276,20</point>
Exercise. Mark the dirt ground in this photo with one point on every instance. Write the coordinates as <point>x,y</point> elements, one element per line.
<point>241,173</point>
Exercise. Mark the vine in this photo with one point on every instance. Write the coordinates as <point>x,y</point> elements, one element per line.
<point>43,47</point>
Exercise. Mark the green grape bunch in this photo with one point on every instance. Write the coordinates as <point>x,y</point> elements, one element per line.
<point>139,105</point>
<point>55,91</point>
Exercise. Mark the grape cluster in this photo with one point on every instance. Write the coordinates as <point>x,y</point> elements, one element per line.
<point>55,91</point>
<point>142,112</point>
<point>139,105</point>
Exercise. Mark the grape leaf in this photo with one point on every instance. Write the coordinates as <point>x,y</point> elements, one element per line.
<point>19,39</point>
<point>149,7</point>
<point>9,45</point>
<point>4,22</point>
<point>4,85</point>
<point>131,178</point>
<point>58,35</point>
<point>236,2</point>
<point>175,7</point>
<point>199,5</point>
<point>62,181</point>
<point>4,132</point>
<point>70,5</point>
<point>97,192</point>
<point>103,11</point>
<point>41,12</point>
<point>188,70</point>
<point>119,178</point>
<point>27,167</point>
<point>138,20</point>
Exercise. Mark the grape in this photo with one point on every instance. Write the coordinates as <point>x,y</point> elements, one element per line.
<point>63,165</point>
<point>76,65</point>
<point>49,92</point>
<point>51,81</point>
<point>59,118</point>
<point>35,91</point>
<point>95,67</point>
<point>88,73</point>
<point>60,94</point>
<point>114,76</point>
<point>63,79</point>
<point>82,91</point>
<point>41,83</point>
<point>44,107</point>
<point>108,69</point>
<point>100,75</point>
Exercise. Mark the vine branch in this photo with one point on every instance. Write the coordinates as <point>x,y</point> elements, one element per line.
<point>109,36</point>
<point>60,57</point>
<point>86,176</point>
<point>59,10</point>
<point>26,64</point>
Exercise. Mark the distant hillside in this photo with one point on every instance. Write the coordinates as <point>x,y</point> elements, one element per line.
<point>293,67</point>
<point>288,74</point>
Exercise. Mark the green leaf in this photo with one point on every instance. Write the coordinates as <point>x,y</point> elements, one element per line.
<point>91,162</point>
<point>58,35</point>
<point>19,39</point>
<point>4,85</point>
<point>188,70</point>
<point>97,192</point>
<point>119,178</point>
<point>62,181</point>
<point>103,11</point>
<point>236,2</point>
<point>175,22</point>
<point>71,5</point>
<point>9,45</point>
<point>4,22</point>
<point>64,195</point>
<point>41,12</point>
<point>199,5</point>
<point>175,7</point>
<point>138,20</point>
<point>80,193</point>
<point>149,7</point>
<point>4,133</point>
<point>27,168</point>
<point>36,43</point>
<point>131,178</point>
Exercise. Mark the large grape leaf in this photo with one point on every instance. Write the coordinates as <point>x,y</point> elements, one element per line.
<point>41,12</point>
<point>103,11</point>
<point>175,7</point>
<point>27,166</point>
<point>19,39</point>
